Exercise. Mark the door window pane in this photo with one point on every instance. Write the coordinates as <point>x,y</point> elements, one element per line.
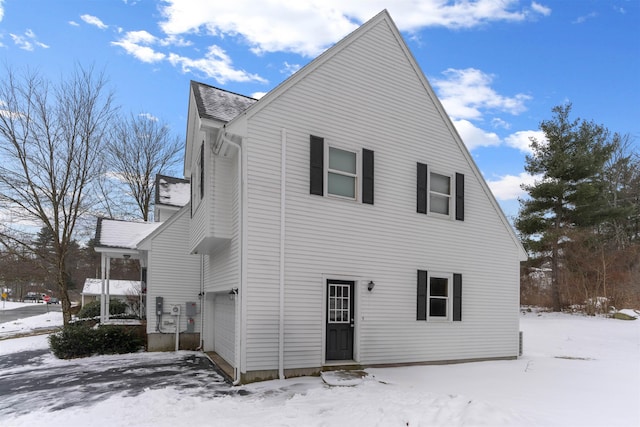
<point>339,303</point>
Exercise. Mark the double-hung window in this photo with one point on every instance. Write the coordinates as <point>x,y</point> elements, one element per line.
<point>342,173</point>
<point>439,296</point>
<point>439,193</point>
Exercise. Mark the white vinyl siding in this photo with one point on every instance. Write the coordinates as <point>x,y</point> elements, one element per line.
<point>172,272</point>
<point>368,95</point>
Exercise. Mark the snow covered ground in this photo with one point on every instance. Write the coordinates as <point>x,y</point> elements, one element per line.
<point>575,371</point>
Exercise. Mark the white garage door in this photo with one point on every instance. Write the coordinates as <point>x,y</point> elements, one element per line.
<point>224,325</point>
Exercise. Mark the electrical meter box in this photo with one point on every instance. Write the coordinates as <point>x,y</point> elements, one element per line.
<point>190,309</point>
<point>159,303</point>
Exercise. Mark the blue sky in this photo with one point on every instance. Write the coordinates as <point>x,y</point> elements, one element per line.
<point>498,66</point>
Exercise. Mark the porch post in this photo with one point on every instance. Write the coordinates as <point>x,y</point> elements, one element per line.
<point>103,263</point>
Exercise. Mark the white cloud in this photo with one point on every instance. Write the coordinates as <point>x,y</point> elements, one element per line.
<point>508,187</point>
<point>289,69</point>
<point>94,20</point>
<point>174,40</point>
<point>522,139</point>
<point>1,9</point>
<point>74,24</point>
<point>134,43</point>
<point>216,64</point>
<point>584,18</point>
<point>258,95</point>
<point>497,122</point>
<point>474,137</point>
<point>309,28</point>
<point>27,42</point>
<point>465,92</point>
<point>148,116</point>
<point>541,9</point>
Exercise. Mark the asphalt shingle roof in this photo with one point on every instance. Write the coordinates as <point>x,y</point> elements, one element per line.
<point>219,104</point>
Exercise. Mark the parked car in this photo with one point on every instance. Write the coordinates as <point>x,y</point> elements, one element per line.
<point>32,296</point>
<point>53,300</point>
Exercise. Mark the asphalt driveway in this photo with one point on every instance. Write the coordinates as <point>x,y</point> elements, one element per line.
<point>35,379</point>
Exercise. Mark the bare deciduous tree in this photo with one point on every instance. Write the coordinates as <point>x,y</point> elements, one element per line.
<point>51,145</point>
<point>139,148</point>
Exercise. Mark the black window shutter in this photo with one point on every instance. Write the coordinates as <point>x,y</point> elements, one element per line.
<point>316,166</point>
<point>457,297</point>
<point>367,176</point>
<point>422,295</point>
<point>459,197</point>
<point>422,188</point>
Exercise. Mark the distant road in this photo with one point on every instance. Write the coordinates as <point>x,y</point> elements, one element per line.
<point>26,311</point>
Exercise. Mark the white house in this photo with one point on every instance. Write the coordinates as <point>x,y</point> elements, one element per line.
<point>337,221</point>
<point>124,290</point>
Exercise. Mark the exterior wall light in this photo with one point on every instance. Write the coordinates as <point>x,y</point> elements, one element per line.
<point>370,285</point>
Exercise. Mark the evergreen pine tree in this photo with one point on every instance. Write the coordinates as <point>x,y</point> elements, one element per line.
<point>569,190</point>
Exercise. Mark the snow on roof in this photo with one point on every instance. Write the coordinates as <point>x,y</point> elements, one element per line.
<point>116,287</point>
<point>172,191</point>
<point>219,104</point>
<point>122,234</point>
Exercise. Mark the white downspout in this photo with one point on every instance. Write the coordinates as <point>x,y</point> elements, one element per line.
<point>202,302</point>
<point>283,180</point>
<point>239,294</point>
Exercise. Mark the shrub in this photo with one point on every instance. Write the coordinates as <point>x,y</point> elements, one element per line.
<point>73,341</point>
<point>92,309</point>
<point>80,340</point>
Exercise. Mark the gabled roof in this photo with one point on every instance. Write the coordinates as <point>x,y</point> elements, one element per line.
<point>219,104</point>
<point>111,233</point>
<point>383,18</point>
<point>172,191</point>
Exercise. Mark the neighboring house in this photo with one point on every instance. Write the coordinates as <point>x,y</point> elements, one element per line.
<point>123,290</point>
<point>337,221</point>
<point>119,239</point>
<point>171,194</point>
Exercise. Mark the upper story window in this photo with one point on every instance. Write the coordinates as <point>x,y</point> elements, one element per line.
<point>197,179</point>
<point>342,174</point>
<point>439,193</point>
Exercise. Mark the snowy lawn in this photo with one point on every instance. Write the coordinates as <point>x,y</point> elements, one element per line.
<point>576,371</point>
